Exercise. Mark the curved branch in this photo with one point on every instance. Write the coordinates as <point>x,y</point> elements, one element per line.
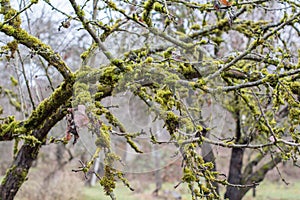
<point>260,173</point>
<point>37,45</point>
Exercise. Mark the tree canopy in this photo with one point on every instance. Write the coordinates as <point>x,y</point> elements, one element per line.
<point>215,73</point>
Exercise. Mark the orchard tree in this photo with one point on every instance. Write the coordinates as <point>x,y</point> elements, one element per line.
<point>191,64</point>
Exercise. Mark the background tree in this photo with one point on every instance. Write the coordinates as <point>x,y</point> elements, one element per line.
<point>208,73</point>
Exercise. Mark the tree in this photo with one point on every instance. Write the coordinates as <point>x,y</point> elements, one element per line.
<point>180,58</point>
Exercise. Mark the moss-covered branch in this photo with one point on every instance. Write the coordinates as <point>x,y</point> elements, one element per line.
<point>259,174</point>
<point>17,173</point>
<point>11,27</point>
<point>60,96</point>
<point>254,45</point>
<point>39,47</point>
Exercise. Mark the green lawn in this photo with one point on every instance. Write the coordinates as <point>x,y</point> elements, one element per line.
<point>96,193</point>
<point>265,191</point>
<point>123,193</point>
<point>276,191</point>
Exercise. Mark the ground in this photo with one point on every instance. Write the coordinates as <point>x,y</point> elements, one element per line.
<point>266,191</point>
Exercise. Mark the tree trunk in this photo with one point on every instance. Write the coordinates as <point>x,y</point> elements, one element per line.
<point>17,173</point>
<point>157,172</point>
<point>235,174</point>
<point>236,162</point>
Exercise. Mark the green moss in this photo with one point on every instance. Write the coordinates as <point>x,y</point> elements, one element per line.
<point>188,71</point>
<point>195,27</point>
<point>8,171</point>
<point>81,94</point>
<point>103,140</point>
<point>108,182</point>
<point>295,87</point>
<point>146,16</point>
<point>8,127</point>
<point>132,144</point>
<point>149,60</point>
<point>165,98</point>
<point>172,122</point>
<point>109,76</point>
<point>205,189</point>
<point>167,22</point>
<point>294,113</point>
<point>217,40</point>
<point>95,156</point>
<point>16,145</point>
<point>47,107</point>
<point>34,43</point>
<point>168,52</point>
<point>14,81</point>
<point>188,175</point>
<point>159,7</point>
<point>84,55</point>
<point>111,4</point>
<point>30,139</point>
<point>80,12</point>
<point>98,95</point>
<point>272,79</point>
<point>208,165</point>
<point>13,46</point>
<point>148,5</point>
<point>12,19</point>
<point>203,42</point>
<point>117,62</point>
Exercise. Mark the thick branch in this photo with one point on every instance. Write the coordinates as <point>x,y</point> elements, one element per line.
<point>260,174</point>
<point>18,171</point>
<point>45,109</point>
<point>37,45</point>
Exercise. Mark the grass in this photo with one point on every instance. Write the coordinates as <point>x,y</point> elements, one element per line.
<point>276,191</point>
<point>123,193</point>
<point>265,191</point>
<point>96,193</point>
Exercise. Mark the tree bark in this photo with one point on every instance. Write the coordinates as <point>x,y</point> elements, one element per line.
<point>259,175</point>
<point>236,162</point>
<point>17,173</point>
<point>235,174</point>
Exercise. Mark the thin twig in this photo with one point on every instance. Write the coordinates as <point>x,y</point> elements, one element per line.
<point>252,47</point>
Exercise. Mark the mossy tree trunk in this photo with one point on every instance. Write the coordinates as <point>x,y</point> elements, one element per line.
<point>17,173</point>
<point>44,117</point>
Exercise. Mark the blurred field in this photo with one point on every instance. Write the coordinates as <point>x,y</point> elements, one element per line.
<point>265,191</point>
<point>123,193</point>
<point>276,191</point>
